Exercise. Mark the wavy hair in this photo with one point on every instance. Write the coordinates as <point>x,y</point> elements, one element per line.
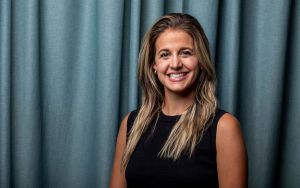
<point>188,130</point>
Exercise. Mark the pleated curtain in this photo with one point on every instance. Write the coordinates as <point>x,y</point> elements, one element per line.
<point>68,75</point>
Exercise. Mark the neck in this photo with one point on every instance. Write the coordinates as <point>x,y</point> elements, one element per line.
<point>176,104</point>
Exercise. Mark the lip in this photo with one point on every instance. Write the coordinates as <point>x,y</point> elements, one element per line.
<point>177,76</point>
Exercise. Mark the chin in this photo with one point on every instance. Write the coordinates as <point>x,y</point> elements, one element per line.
<point>180,91</point>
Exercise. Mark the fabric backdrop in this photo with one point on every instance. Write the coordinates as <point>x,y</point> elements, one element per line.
<point>68,76</point>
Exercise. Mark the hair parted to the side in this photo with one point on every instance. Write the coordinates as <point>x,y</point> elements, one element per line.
<point>188,131</point>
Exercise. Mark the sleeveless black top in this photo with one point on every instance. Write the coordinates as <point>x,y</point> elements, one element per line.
<point>147,169</point>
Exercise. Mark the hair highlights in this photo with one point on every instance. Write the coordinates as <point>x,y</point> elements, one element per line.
<point>189,129</point>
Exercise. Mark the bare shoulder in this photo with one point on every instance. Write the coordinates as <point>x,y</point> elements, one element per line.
<point>117,179</point>
<point>123,125</point>
<point>228,132</point>
<point>228,123</point>
<point>123,130</point>
<point>231,153</point>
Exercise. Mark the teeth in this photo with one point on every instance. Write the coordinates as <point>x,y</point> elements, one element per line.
<point>177,75</point>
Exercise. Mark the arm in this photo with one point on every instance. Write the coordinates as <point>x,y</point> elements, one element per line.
<point>117,179</point>
<point>231,153</point>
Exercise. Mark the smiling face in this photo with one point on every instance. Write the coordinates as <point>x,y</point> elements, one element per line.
<point>176,63</point>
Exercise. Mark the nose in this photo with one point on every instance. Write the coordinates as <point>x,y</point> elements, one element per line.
<point>176,63</point>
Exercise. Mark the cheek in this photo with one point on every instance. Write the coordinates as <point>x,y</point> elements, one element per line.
<point>161,77</point>
<point>159,71</point>
<point>193,64</point>
<point>196,71</point>
<point>195,68</point>
<point>160,67</point>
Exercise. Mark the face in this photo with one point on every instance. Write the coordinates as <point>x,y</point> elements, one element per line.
<point>176,63</point>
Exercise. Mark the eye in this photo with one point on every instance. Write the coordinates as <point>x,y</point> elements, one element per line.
<point>186,53</point>
<point>164,55</point>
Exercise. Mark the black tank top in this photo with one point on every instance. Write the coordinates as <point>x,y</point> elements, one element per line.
<point>146,169</point>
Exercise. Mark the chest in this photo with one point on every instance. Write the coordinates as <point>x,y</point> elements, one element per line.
<point>145,167</point>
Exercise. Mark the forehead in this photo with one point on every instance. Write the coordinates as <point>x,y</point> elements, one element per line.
<point>173,38</point>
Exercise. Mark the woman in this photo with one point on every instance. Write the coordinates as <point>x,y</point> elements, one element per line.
<point>178,137</point>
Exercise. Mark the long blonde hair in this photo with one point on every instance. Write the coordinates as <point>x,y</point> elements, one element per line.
<point>189,129</point>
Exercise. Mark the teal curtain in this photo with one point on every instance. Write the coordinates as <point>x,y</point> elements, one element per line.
<point>68,74</point>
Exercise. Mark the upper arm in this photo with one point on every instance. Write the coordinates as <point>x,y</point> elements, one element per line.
<point>117,179</point>
<point>231,153</point>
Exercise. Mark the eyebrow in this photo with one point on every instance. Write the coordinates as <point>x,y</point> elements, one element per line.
<point>184,48</point>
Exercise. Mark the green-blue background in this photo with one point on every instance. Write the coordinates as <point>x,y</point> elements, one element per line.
<point>68,75</point>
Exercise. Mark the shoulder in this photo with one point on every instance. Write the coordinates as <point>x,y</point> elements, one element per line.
<point>125,120</point>
<point>231,152</point>
<point>229,138</point>
<point>128,120</point>
<point>225,126</point>
<point>117,176</point>
<point>132,115</point>
<point>228,122</point>
<point>228,129</point>
<point>123,126</point>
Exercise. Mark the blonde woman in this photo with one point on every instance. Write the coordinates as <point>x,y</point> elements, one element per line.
<point>178,137</point>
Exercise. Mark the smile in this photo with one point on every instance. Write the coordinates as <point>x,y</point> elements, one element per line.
<point>177,76</point>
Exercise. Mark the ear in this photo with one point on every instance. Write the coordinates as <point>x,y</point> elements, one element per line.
<point>154,66</point>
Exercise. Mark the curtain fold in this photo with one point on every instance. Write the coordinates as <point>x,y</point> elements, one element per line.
<point>288,166</point>
<point>263,47</point>
<point>5,93</point>
<point>129,60</point>
<point>25,97</point>
<point>68,75</point>
<point>228,50</point>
